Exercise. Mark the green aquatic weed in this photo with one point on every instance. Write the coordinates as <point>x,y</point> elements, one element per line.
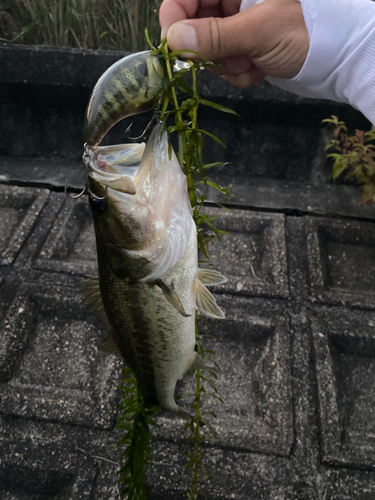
<point>179,117</point>
<point>136,421</point>
<point>183,113</point>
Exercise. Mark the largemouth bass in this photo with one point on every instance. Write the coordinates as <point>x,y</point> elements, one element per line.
<point>149,284</point>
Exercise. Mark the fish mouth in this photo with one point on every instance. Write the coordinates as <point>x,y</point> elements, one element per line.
<point>115,167</point>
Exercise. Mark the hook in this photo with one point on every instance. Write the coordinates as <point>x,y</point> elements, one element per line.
<point>143,133</point>
<point>98,198</point>
<point>98,203</point>
<point>77,195</point>
<point>86,189</point>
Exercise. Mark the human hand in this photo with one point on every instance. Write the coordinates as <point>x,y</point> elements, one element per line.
<point>266,39</point>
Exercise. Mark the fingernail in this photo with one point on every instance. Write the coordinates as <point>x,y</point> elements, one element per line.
<point>182,36</point>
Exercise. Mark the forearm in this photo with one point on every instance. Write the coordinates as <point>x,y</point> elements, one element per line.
<point>341,61</point>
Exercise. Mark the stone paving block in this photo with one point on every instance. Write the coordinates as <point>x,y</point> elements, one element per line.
<point>344,343</point>
<point>19,209</point>
<point>24,477</point>
<point>305,453</point>
<point>268,151</point>
<point>346,484</point>
<point>252,255</point>
<point>50,367</point>
<point>70,246</point>
<point>342,261</point>
<point>51,173</point>
<point>43,465</point>
<point>237,475</point>
<point>253,351</point>
<point>295,235</point>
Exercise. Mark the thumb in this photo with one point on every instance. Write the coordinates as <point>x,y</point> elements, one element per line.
<point>214,37</point>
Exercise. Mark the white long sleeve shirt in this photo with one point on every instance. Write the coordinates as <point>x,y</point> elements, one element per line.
<point>340,64</point>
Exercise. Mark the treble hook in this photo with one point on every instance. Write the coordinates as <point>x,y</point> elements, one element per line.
<point>77,195</point>
<point>143,133</point>
<point>98,198</point>
<point>98,203</point>
<point>86,189</point>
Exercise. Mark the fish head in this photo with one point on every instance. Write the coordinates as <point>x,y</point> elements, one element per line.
<point>128,87</point>
<point>140,205</point>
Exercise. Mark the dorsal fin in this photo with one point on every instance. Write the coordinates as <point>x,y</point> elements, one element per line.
<point>109,346</point>
<point>91,295</point>
<point>205,301</point>
<point>211,277</point>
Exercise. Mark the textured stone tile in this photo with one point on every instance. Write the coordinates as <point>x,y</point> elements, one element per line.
<point>50,367</point>
<point>342,261</point>
<point>346,484</point>
<point>295,235</point>
<point>344,345</point>
<point>21,478</point>
<point>252,255</point>
<point>252,347</point>
<point>7,290</point>
<point>19,209</point>
<point>236,475</point>
<point>70,246</point>
<point>305,452</point>
<point>43,464</point>
<point>43,172</point>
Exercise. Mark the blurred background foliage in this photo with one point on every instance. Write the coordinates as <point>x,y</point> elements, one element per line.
<point>93,24</point>
<point>353,156</point>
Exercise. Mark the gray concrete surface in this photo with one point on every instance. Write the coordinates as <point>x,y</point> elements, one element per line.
<point>297,349</point>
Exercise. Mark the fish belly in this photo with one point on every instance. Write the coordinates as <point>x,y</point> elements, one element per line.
<point>155,340</point>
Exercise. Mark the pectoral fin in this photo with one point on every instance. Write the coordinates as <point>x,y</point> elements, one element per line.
<point>206,302</point>
<point>172,297</point>
<point>211,277</point>
<point>109,346</point>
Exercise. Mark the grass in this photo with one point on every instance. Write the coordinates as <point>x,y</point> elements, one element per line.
<point>94,24</point>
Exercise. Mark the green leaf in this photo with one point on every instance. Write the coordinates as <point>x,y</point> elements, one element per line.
<point>219,107</point>
<point>214,137</point>
<point>214,185</point>
<point>149,41</point>
<point>216,164</point>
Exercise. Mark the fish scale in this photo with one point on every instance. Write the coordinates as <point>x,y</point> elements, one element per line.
<point>164,344</point>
